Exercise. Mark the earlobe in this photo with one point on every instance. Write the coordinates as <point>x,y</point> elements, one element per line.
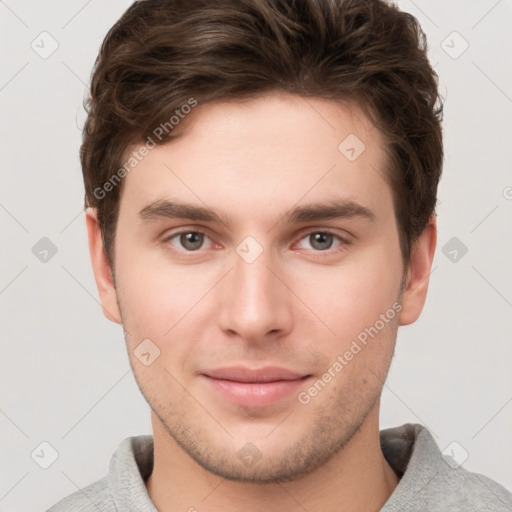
<point>101,268</point>
<point>418,274</point>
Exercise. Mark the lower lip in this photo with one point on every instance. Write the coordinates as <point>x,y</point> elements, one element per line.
<point>250,394</point>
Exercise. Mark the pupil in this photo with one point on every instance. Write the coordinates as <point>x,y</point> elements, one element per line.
<point>321,241</point>
<point>191,241</point>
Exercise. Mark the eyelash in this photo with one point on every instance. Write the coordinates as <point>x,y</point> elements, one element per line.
<point>343,242</point>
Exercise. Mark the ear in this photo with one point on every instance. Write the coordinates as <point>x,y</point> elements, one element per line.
<point>101,268</point>
<point>418,274</point>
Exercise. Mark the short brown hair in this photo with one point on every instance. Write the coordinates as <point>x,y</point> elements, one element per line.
<point>162,53</point>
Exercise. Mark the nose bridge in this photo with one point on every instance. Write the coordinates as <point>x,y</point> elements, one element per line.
<point>255,302</point>
<point>254,281</point>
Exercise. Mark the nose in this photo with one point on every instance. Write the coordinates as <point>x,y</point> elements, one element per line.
<point>255,304</point>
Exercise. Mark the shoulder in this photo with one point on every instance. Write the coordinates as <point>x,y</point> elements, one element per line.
<point>122,488</point>
<point>432,480</point>
<point>459,490</point>
<point>474,490</point>
<point>94,497</point>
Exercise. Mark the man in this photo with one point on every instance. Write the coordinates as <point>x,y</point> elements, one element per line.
<point>261,182</point>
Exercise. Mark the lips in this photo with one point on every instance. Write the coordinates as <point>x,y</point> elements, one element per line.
<point>267,374</point>
<point>253,388</point>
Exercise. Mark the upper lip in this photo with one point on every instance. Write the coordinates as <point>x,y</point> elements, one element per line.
<point>243,374</point>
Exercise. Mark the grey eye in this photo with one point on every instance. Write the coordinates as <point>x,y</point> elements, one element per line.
<point>321,241</point>
<point>191,240</point>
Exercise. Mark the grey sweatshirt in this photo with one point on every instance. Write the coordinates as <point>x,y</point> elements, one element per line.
<point>429,481</point>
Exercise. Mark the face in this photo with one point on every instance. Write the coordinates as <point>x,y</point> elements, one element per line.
<point>258,278</point>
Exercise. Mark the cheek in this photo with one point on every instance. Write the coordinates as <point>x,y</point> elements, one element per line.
<point>162,301</point>
<point>350,297</point>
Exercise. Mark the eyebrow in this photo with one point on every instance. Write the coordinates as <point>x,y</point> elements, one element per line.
<point>332,210</point>
<point>175,210</point>
<point>339,209</point>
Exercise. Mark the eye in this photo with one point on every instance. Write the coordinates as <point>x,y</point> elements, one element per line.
<point>321,241</point>
<point>188,240</point>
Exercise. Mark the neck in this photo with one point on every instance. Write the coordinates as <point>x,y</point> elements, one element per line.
<point>357,478</point>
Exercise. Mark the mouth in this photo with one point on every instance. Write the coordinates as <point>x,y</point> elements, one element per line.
<point>254,388</point>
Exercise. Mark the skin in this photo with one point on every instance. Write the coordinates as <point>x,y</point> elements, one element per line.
<point>299,305</point>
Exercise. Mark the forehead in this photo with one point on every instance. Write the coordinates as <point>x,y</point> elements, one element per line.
<point>268,153</point>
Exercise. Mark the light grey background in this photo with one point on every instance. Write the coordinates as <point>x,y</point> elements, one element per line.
<point>65,374</point>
